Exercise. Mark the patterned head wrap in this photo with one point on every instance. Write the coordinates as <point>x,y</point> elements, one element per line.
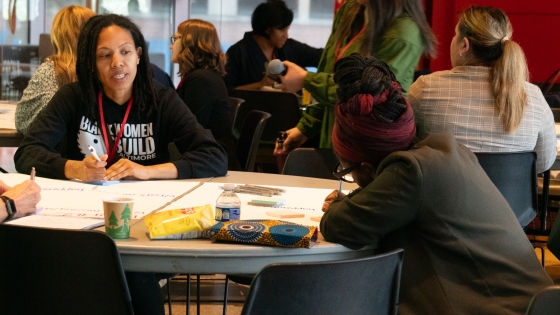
<point>373,119</point>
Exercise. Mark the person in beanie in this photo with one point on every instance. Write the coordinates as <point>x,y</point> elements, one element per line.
<point>465,252</point>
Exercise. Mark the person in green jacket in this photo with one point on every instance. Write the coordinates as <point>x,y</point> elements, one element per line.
<point>395,32</point>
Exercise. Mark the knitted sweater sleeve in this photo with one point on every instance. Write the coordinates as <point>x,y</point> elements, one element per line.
<point>36,96</point>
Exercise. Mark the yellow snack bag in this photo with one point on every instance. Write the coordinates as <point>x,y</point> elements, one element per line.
<point>180,220</point>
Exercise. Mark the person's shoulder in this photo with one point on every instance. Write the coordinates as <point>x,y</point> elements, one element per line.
<point>433,147</point>
<point>72,88</point>
<point>403,27</point>
<point>205,75</point>
<point>210,79</point>
<point>161,76</point>
<point>291,41</point>
<point>292,44</point>
<point>434,77</point>
<point>46,68</point>
<point>69,97</point>
<point>161,89</point>
<point>532,88</point>
<point>241,44</point>
<point>47,64</point>
<point>535,95</point>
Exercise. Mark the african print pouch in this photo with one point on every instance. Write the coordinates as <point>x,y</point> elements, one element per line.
<point>265,232</point>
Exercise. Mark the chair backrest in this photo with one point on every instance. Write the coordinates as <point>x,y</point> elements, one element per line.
<point>545,302</point>
<point>515,176</point>
<point>45,46</point>
<point>284,108</point>
<point>359,286</point>
<point>249,138</point>
<point>234,104</point>
<point>311,162</point>
<point>54,271</point>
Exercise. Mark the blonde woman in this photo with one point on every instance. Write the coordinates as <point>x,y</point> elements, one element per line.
<point>485,99</point>
<point>58,70</point>
<point>196,48</point>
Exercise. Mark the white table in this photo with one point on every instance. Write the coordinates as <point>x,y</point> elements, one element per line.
<point>199,256</point>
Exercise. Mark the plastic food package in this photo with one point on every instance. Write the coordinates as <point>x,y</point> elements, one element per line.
<point>177,221</point>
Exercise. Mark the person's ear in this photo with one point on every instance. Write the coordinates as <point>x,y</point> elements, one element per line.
<point>370,167</point>
<point>465,46</point>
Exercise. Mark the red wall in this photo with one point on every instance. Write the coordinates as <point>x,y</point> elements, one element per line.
<point>535,23</point>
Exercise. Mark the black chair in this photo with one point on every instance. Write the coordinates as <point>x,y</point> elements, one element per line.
<point>234,104</point>
<point>311,162</point>
<point>545,302</point>
<point>359,286</point>
<point>249,138</point>
<point>46,47</point>
<point>284,108</point>
<point>54,271</point>
<point>515,176</point>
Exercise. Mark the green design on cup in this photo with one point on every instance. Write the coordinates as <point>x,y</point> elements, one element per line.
<point>116,231</point>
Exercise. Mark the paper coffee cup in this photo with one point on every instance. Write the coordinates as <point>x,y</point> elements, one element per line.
<point>118,213</point>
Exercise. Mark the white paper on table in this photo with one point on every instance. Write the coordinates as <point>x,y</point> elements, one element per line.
<point>57,222</point>
<point>70,198</point>
<point>307,201</point>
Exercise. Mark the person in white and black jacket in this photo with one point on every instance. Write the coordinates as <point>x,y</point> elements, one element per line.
<point>115,88</point>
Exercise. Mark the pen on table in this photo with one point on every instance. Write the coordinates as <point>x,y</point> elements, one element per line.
<point>275,191</point>
<point>252,192</point>
<point>32,174</point>
<point>92,150</point>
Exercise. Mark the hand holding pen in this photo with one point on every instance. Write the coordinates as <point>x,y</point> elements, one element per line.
<point>93,167</point>
<point>334,195</point>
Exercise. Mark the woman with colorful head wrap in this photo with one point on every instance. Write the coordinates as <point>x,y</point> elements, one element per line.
<point>371,113</point>
<point>429,198</point>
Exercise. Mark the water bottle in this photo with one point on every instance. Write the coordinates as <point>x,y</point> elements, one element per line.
<point>228,205</point>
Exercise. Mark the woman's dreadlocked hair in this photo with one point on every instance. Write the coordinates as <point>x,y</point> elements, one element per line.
<point>143,91</point>
<point>356,74</point>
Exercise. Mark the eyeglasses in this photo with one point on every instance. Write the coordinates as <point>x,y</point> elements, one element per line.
<point>174,38</point>
<point>344,173</point>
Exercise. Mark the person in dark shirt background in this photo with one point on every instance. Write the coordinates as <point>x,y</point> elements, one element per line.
<point>245,68</point>
<point>196,48</point>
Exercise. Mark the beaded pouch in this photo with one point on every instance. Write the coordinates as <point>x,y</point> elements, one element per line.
<point>265,232</point>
